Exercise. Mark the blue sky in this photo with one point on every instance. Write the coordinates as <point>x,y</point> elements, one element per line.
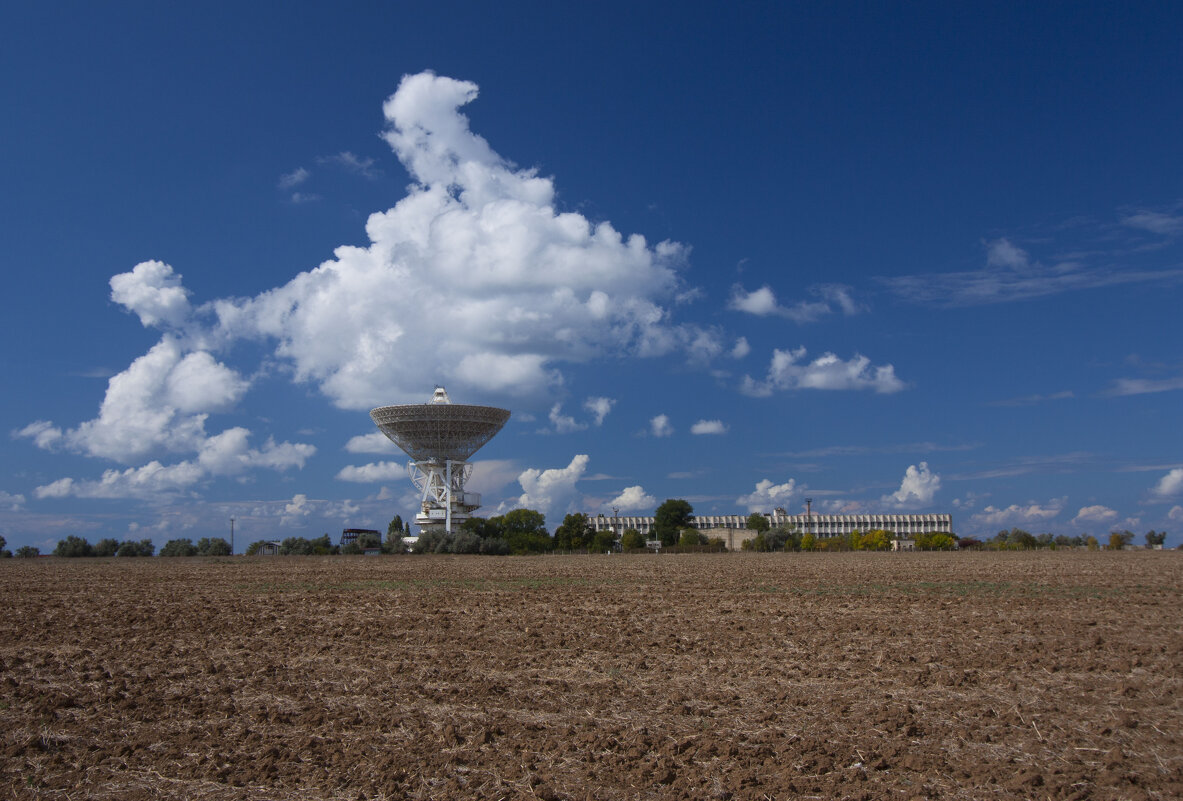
<point>892,257</point>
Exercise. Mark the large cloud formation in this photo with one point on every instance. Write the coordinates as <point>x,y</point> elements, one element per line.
<point>474,278</point>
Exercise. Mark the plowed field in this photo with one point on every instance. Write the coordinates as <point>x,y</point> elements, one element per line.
<point>969,675</point>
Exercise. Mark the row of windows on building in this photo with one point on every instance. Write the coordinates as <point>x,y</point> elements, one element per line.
<point>817,524</point>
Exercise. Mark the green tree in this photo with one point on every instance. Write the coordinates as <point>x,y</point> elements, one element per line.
<point>672,516</point>
<point>875,540</point>
<point>4,552</point>
<point>485,529</point>
<point>1019,538</point>
<point>132,548</point>
<point>323,546</point>
<point>213,546</point>
<point>106,547</point>
<point>758,543</point>
<point>368,540</point>
<point>631,540</point>
<point>524,530</point>
<point>295,546</point>
<point>1120,539</point>
<point>758,523</point>
<point>255,547</point>
<point>394,543</point>
<point>1155,538</point>
<point>73,545</point>
<point>397,528</point>
<point>179,547</point>
<point>603,541</point>
<point>808,541</point>
<point>690,538</point>
<point>935,541</point>
<point>27,552</point>
<point>783,538</point>
<point>575,533</point>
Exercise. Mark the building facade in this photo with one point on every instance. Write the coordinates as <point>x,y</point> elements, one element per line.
<point>820,525</point>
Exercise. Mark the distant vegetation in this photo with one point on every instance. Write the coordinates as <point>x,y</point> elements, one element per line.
<point>523,531</point>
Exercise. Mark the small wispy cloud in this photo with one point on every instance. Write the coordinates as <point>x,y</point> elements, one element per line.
<point>1012,275</point>
<point>660,426</point>
<point>762,302</point>
<point>1144,386</point>
<point>1033,400</point>
<point>350,162</point>
<point>294,178</point>
<point>1155,222</point>
<point>1049,465</point>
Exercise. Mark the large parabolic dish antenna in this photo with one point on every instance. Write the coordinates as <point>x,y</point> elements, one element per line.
<point>440,436</point>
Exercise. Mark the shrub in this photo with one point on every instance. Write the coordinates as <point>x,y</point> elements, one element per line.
<point>690,538</point>
<point>465,542</point>
<point>394,543</point>
<point>631,540</point>
<point>495,546</point>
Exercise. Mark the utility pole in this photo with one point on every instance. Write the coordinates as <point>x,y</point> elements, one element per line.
<point>809,515</point>
<point>232,536</point>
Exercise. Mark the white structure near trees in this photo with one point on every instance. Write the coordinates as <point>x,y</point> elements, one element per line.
<point>440,436</point>
<point>821,526</point>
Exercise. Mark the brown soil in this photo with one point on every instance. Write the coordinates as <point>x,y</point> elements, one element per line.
<point>969,675</point>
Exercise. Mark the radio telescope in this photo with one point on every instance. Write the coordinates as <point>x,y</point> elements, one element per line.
<point>440,436</point>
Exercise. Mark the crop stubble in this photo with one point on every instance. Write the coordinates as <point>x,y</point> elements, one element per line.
<point>968,675</point>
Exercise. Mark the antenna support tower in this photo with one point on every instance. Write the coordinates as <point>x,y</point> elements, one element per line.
<point>440,437</point>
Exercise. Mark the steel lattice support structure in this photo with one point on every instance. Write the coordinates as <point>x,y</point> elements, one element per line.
<point>440,436</point>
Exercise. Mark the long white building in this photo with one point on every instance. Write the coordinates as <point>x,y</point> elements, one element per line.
<point>820,525</point>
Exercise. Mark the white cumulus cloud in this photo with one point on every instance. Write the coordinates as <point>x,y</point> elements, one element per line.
<point>563,423</point>
<point>154,292</point>
<point>708,427</point>
<point>1094,514</point>
<point>632,499</point>
<point>1031,513</point>
<point>477,253</point>
<point>660,426</point>
<point>768,496</point>
<point>1176,513</point>
<point>372,473</point>
<point>376,442</point>
<point>159,403</point>
<point>552,491</point>
<point>787,372</point>
<point>152,480</point>
<point>917,488</point>
<point>1169,485</point>
<point>599,408</point>
<point>13,502</point>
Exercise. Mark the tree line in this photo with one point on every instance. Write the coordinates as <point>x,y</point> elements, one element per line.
<point>523,531</point>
